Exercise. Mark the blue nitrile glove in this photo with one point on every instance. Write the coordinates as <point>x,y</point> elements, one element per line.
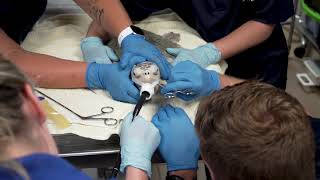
<point>138,140</point>
<point>203,55</point>
<point>136,49</point>
<point>179,144</point>
<point>94,50</point>
<point>190,76</point>
<point>114,79</point>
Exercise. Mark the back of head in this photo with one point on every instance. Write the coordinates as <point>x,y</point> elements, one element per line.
<point>255,131</point>
<point>12,82</point>
<point>12,118</point>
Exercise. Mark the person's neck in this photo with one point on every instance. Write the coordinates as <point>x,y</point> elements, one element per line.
<point>17,150</point>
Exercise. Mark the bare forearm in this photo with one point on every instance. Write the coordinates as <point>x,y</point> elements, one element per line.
<point>50,72</point>
<point>246,36</point>
<point>110,14</point>
<point>45,71</point>
<point>133,173</point>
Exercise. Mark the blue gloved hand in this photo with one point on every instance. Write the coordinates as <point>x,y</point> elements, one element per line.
<point>179,144</point>
<point>137,49</point>
<point>202,55</point>
<point>190,76</point>
<point>138,139</point>
<point>112,78</point>
<point>94,50</point>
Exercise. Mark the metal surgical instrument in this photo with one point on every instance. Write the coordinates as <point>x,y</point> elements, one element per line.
<point>104,110</point>
<point>173,94</point>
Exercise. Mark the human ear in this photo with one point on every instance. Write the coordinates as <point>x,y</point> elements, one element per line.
<point>34,112</point>
<point>33,104</point>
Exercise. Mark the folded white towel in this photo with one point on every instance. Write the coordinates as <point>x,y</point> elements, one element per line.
<point>60,36</point>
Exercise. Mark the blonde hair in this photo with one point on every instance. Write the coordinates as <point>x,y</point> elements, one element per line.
<point>12,118</point>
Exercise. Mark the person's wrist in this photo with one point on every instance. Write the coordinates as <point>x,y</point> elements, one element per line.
<point>213,84</point>
<point>185,174</point>
<point>124,33</point>
<point>129,33</point>
<point>214,54</point>
<point>215,80</point>
<point>134,159</point>
<point>135,173</point>
<point>93,77</point>
<point>96,30</point>
<point>92,39</point>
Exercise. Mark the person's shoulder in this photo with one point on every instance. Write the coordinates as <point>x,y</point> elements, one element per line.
<point>44,166</point>
<point>8,173</point>
<point>272,12</point>
<point>315,123</point>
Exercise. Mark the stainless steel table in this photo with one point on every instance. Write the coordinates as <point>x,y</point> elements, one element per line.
<point>89,153</point>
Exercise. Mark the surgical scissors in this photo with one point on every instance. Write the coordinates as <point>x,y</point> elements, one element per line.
<point>104,110</point>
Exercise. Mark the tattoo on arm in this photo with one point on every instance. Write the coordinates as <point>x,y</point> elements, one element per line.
<point>95,11</point>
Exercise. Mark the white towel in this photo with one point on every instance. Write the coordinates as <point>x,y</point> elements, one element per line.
<point>60,36</point>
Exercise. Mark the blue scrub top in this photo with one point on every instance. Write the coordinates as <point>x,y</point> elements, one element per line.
<point>215,19</point>
<point>267,61</point>
<point>44,166</point>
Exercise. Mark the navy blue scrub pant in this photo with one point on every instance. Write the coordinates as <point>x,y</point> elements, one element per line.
<point>316,130</point>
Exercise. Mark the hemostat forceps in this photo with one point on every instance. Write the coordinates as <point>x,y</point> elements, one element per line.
<point>173,94</point>
<point>104,110</point>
